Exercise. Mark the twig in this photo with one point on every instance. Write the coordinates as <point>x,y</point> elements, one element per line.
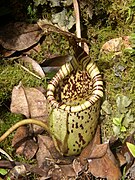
<point>78,27</point>
<point>77,16</point>
<point>4,152</point>
<point>30,72</point>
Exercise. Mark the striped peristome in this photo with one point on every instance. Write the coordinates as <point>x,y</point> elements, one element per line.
<point>65,70</point>
<point>74,95</point>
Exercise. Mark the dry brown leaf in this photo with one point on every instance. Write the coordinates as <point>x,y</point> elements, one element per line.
<point>126,153</point>
<point>121,159</point>
<point>77,166</point>
<point>68,170</point>
<point>19,103</point>
<point>56,61</point>
<point>57,174</point>
<point>86,152</point>
<point>20,136</point>
<point>115,45</point>
<point>98,151</point>
<point>17,172</point>
<point>47,151</point>
<point>31,102</point>
<point>106,166</point>
<point>64,172</point>
<point>54,64</point>
<point>29,168</point>
<point>20,148</point>
<point>36,67</point>
<point>19,36</point>
<point>6,53</point>
<point>130,174</point>
<point>28,101</point>
<point>22,143</point>
<point>37,106</point>
<point>37,102</point>
<point>30,149</point>
<point>48,158</point>
<point>101,161</point>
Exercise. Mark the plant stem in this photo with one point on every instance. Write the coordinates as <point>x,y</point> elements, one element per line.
<point>24,122</point>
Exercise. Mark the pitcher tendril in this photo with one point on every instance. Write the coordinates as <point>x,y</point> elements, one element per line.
<point>24,122</point>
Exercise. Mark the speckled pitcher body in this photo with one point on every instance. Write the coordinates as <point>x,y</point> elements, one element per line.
<point>74,95</point>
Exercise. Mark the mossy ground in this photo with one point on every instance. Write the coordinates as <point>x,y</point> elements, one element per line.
<point>114,86</point>
<point>11,73</point>
<point>122,84</point>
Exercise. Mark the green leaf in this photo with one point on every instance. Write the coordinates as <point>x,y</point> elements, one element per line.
<point>128,118</point>
<point>122,103</point>
<point>116,129</point>
<point>106,106</point>
<point>3,171</point>
<point>123,129</point>
<point>63,19</point>
<point>117,121</point>
<point>131,148</point>
<point>129,14</point>
<point>133,4</point>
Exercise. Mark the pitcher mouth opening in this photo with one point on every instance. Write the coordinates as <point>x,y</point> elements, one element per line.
<point>95,92</point>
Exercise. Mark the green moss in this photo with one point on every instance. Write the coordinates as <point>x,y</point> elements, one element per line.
<point>113,19</point>
<point>7,119</point>
<point>10,75</point>
<point>118,82</point>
